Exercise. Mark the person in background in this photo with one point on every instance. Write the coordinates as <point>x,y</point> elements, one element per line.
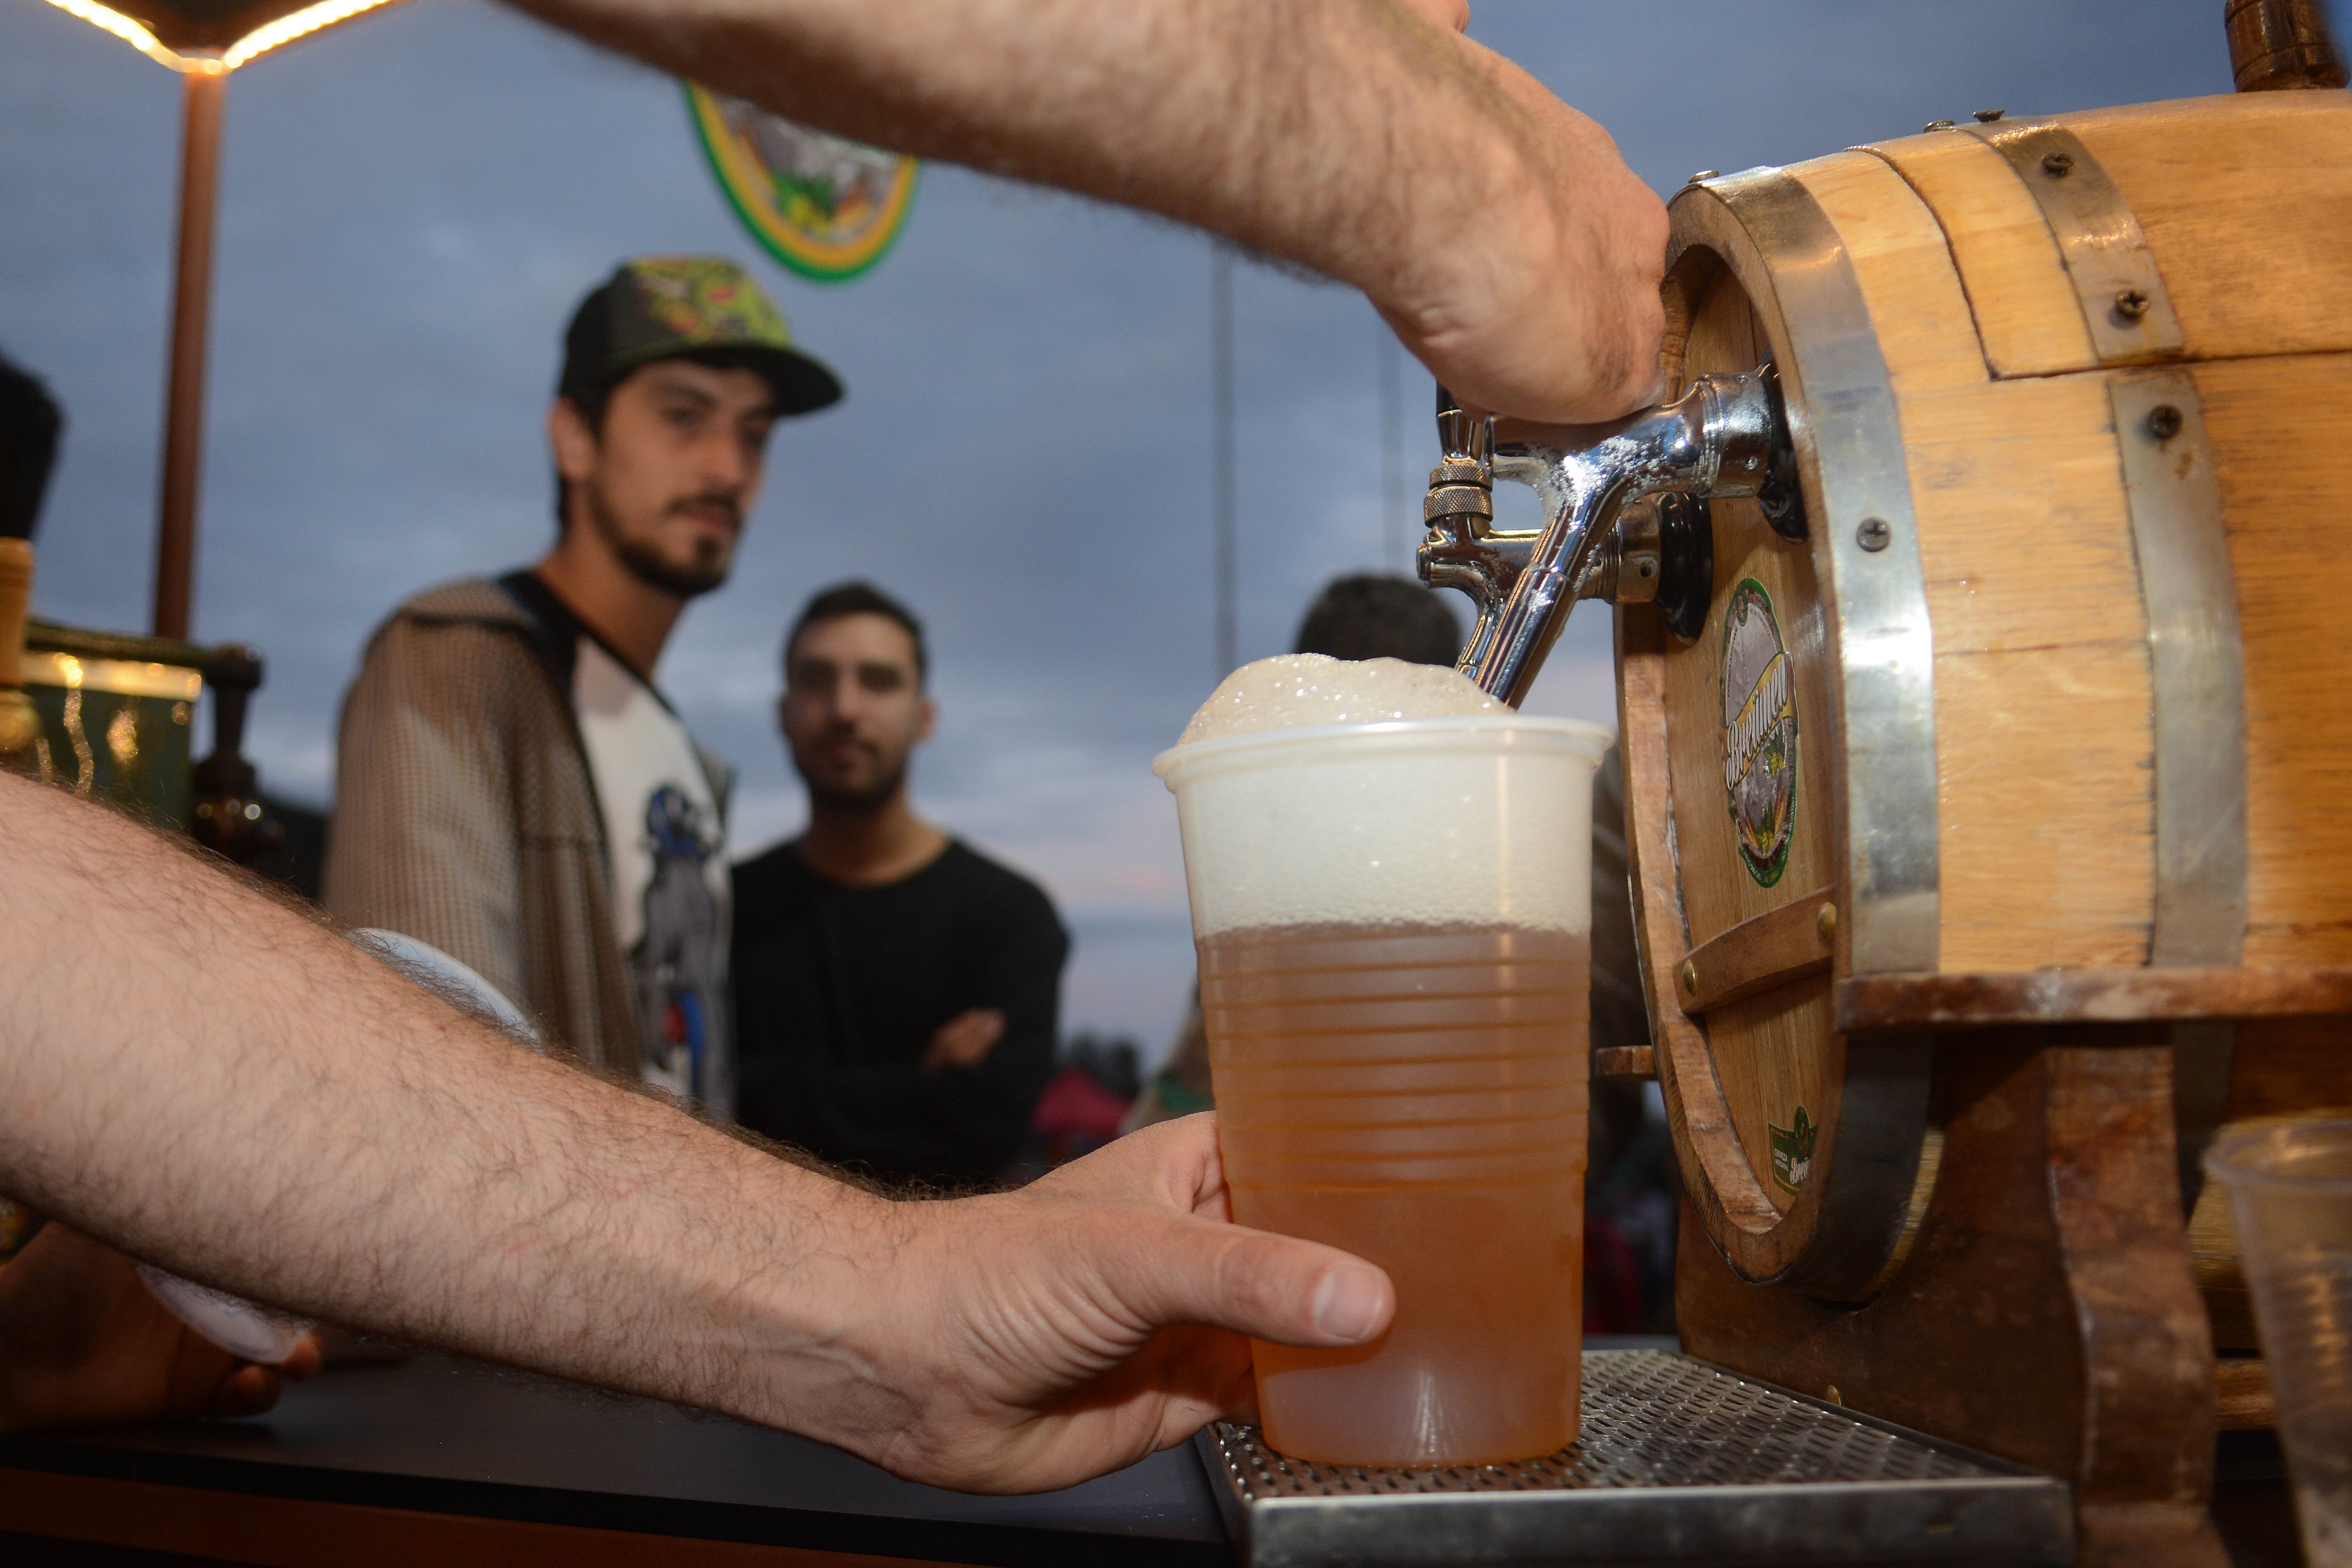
<point>896,991</point>
<point>1628,1251</point>
<point>30,424</point>
<point>514,788</point>
<point>1377,616</point>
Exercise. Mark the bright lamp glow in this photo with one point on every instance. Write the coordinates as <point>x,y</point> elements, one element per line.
<point>301,24</point>
<point>260,41</point>
<point>129,31</point>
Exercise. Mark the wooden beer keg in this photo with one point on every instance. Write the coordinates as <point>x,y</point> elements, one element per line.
<point>2052,670</point>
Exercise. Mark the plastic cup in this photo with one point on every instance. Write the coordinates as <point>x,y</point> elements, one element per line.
<point>1394,926</point>
<point>2289,1189</point>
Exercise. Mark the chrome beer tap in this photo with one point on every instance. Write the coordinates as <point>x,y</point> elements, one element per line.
<point>1463,549</point>
<point>1625,503</point>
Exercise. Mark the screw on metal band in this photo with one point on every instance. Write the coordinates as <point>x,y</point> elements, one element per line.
<point>2115,276</point>
<point>1873,535</point>
<point>2197,681</point>
<point>2196,668</point>
<point>1987,116</point>
<point>1936,125</point>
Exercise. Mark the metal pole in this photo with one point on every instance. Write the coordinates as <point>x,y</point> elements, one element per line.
<point>1221,392</point>
<point>183,411</point>
<point>1395,531</point>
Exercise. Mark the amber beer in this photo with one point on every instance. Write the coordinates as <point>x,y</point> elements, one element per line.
<point>1417,1097</point>
<point>1392,925</point>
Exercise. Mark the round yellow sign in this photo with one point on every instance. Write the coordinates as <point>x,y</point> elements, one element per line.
<point>825,206</point>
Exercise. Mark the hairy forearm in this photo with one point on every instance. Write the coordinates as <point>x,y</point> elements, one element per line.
<point>199,1075</point>
<point>1346,135</point>
<point>216,1083</point>
<point>1225,115</point>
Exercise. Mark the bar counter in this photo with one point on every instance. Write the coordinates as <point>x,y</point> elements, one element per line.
<point>444,1459</point>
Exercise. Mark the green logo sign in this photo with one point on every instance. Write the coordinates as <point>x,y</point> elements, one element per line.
<point>1759,732</point>
<point>1793,1151</point>
<point>826,207</point>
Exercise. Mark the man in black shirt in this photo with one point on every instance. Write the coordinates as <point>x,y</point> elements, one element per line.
<point>896,992</point>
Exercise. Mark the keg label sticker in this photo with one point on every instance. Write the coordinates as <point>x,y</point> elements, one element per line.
<point>1759,732</point>
<point>1793,1151</point>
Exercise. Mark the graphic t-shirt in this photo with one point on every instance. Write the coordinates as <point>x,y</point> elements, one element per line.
<point>665,847</point>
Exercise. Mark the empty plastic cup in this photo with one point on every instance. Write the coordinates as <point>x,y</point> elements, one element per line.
<point>2290,1190</point>
<point>1393,925</point>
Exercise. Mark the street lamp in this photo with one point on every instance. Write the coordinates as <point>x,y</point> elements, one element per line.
<point>203,40</point>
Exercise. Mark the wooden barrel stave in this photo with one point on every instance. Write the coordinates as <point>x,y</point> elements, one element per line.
<point>2204,179</point>
<point>2026,544</point>
<point>2245,201</point>
<point>2278,428</point>
<point>2044,689</point>
<point>2029,321</point>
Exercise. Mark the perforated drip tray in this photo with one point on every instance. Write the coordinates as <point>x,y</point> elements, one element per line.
<point>1678,1462</point>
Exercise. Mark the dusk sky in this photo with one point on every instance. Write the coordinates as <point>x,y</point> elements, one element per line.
<point>412,206</point>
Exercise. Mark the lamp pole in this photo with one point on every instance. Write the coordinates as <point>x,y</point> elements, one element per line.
<point>204,74</point>
<point>183,407</point>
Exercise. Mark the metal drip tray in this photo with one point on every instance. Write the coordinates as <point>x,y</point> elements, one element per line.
<point>1678,1462</point>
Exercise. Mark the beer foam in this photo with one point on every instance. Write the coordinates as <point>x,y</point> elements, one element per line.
<point>1301,689</point>
<point>1478,817</point>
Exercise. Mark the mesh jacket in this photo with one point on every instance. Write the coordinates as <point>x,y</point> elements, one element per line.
<point>466,814</point>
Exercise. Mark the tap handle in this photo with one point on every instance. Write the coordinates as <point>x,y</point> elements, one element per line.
<point>1461,500</point>
<point>1460,549</point>
<point>1461,438</point>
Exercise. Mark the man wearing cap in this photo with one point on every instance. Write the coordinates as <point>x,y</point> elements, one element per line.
<point>513,787</point>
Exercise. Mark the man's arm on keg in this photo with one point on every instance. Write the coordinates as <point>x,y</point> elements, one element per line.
<point>198,1074</point>
<point>1495,229</point>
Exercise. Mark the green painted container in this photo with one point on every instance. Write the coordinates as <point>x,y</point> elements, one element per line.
<point>116,714</point>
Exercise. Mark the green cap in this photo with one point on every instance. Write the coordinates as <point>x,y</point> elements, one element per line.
<point>687,307</point>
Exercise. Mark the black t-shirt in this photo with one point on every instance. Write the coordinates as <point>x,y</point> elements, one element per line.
<point>839,990</point>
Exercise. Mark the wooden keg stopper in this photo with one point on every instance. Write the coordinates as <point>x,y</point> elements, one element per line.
<point>2282,43</point>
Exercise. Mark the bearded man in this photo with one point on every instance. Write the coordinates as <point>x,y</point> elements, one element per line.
<point>897,990</point>
<point>514,788</point>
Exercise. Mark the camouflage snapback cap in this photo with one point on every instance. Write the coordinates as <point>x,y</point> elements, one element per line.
<point>678,307</point>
